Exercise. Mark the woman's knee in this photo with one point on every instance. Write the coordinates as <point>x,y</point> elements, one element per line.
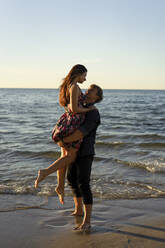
<point>71,156</point>
<point>68,159</point>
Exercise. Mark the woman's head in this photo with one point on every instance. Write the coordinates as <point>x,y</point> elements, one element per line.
<point>77,74</point>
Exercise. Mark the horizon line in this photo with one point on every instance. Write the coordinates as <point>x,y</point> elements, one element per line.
<point>82,88</point>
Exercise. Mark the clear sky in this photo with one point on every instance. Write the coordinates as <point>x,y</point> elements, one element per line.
<point>121,42</point>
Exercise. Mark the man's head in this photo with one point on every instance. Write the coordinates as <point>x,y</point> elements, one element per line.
<point>94,94</point>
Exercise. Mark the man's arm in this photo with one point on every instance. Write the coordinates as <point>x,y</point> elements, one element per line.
<point>77,135</point>
<point>92,120</point>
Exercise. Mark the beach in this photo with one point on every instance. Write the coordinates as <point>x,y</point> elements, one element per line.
<point>116,223</point>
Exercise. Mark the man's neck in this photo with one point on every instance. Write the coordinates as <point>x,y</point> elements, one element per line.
<point>88,103</point>
<point>88,100</point>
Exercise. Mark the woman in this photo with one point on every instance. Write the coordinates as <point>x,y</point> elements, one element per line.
<point>72,99</point>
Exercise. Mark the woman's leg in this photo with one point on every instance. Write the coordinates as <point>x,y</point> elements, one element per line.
<point>61,179</point>
<point>60,163</point>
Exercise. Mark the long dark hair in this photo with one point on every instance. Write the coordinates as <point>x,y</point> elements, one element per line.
<point>64,96</point>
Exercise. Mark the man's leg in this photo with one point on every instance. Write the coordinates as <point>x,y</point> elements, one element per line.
<point>87,215</point>
<point>84,166</point>
<point>72,181</point>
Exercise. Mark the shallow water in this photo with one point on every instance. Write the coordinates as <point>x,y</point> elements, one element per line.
<point>130,143</point>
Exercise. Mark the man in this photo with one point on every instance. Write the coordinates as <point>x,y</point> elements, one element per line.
<point>79,172</point>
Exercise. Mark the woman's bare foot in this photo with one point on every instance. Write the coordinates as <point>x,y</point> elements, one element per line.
<point>41,176</point>
<point>60,192</point>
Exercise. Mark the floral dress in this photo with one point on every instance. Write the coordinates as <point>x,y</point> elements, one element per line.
<point>68,123</point>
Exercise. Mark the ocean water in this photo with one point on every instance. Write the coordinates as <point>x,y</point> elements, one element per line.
<point>130,144</point>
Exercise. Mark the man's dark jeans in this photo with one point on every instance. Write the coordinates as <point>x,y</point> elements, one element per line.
<point>78,176</point>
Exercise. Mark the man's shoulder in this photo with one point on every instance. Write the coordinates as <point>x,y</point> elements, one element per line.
<point>94,112</point>
<point>93,116</point>
<point>92,121</point>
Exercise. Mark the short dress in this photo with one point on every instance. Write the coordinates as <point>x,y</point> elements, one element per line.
<point>68,123</point>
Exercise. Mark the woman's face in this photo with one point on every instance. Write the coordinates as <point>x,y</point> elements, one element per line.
<point>82,78</point>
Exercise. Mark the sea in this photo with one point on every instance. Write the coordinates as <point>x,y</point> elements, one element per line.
<point>130,146</point>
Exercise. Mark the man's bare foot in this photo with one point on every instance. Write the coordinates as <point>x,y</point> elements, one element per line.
<point>41,176</point>
<point>60,192</point>
<point>77,213</point>
<point>84,227</point>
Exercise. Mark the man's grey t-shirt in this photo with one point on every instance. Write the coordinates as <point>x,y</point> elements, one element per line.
<point>88,128</point>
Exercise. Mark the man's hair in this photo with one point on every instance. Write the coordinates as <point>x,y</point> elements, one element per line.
<point>99,92</point>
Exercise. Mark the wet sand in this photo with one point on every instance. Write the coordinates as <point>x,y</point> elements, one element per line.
<point>116,223</point>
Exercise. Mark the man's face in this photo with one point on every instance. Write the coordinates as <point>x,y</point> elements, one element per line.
<point>91,94</point>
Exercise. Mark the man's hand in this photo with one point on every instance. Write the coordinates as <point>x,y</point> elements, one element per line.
<point>77,135</point>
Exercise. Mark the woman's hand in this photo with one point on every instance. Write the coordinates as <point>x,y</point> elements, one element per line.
<point>61,144</point>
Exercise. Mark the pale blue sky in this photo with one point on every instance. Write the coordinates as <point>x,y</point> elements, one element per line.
<point>121,42</point>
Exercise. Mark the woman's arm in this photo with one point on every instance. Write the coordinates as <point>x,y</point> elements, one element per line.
<point>74,94</point>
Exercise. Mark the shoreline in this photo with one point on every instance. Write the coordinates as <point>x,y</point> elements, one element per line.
<point>116,223</point>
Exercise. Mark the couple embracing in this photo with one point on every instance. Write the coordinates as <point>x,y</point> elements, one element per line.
<point>75,133</point>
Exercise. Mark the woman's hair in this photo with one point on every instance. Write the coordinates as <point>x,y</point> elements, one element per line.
<point>64,96</point>
<point>99,92</point>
